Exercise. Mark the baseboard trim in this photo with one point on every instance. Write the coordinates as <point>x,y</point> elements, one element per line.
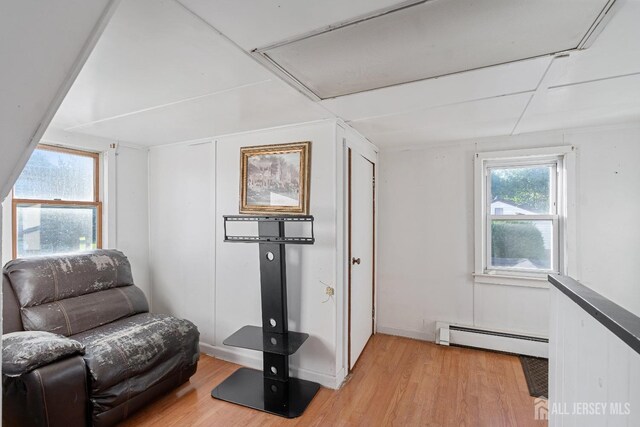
<point>488,342</point>
<point>206,348</point>
<point>340,378</point>
<point>254,362</point>
<point>407,333</point>
<point>506,341</point>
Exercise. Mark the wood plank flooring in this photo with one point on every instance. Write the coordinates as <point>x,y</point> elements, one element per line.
<point>397,381</point>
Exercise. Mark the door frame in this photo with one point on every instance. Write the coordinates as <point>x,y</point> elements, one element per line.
<point>369,152</point>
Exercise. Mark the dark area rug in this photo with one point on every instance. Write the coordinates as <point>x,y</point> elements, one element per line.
<point>536,371</point>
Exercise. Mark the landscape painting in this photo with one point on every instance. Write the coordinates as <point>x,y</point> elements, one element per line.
<point>275,178</point>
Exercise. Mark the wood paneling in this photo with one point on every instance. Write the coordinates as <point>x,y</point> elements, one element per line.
<point>398,381</point>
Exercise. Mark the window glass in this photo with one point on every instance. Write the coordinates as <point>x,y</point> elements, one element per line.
<point>56,175</point>
<point>45,229</point>
<point>526,244</point>
<point>55,201</point>
<point>521,190</point>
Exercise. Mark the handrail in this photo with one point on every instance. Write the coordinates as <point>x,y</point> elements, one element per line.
<point>621,322</point>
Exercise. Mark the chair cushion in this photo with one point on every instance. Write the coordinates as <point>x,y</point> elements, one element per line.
<point>132,346</point>
<point>75,315</point>
<point>25,351</point>
<point>40,280</point>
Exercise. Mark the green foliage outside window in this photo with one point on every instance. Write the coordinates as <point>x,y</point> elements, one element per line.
<point>527,188</point>
<point>512,241</point>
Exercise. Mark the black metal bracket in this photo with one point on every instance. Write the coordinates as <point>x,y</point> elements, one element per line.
<point>280,239</point>
<point>271,390</point>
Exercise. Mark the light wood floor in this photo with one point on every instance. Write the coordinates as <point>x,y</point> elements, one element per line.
<point>397,381</point>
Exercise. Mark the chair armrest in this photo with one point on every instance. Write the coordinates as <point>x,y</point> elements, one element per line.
<point>52,395</point>
<point>27,350</point>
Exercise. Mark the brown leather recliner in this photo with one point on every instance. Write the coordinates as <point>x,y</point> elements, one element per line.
<point>130,355</point>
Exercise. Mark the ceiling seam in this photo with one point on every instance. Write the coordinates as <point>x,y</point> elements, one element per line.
<point>598,25</point>
<point>594,80</point>
<point>539,88</point>
<point>206,139</point>
<point>524,110</point>
<point>169,104</point>
<point>254,59</point>
<point>470,142</point>
<point>486,98</point>
<point>557,54</point>
<point>339,25</point>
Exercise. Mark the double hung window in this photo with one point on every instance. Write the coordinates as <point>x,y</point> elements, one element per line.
<point>521,212</point>
<point>56,203</point>
<point>522,216</point>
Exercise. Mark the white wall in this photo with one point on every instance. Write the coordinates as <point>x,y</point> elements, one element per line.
<point>132,220</point>
<point>426,233</point>
<point>215,284</point>
<point>124,179</point>
<point>182,224</point>
<point>589,365</point>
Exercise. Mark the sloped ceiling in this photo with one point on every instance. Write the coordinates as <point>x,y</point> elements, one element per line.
<point>160,74</point>
<point>42,46</point>
<point>168,71</point>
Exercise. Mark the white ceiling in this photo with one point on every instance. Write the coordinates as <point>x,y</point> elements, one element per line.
<point>162,74</point>
<point>432,39</point>
<point>259,23</point>
<point>159,75</point>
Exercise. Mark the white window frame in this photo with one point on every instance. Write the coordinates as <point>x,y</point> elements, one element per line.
<point>563,237</point>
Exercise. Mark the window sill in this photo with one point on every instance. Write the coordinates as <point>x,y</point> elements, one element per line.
<point>511,280</point>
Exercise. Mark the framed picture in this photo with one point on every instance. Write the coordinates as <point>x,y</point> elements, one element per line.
<point>275,179</point>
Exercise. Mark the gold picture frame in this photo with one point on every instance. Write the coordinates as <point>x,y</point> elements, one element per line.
<point>275,178</point>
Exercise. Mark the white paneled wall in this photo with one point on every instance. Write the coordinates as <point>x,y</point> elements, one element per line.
<point>181,217</point>
<point>426,233</point>
<point>131,220</point>
<point>594,377</point>
<point>237,276</point>
<point>196,275</point>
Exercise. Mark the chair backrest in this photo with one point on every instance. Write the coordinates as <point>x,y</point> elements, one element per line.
<point>69,294</point>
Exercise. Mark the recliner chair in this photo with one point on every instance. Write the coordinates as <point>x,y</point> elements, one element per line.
<point>130,355</point>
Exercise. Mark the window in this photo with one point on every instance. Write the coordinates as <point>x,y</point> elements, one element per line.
<point>521,212</point>
<point>56,206</point>
<point>522,219</point>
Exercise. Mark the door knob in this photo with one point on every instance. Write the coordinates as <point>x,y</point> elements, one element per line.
<point>355,261</point>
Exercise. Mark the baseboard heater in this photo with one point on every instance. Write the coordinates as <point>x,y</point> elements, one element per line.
<point>469,336</point>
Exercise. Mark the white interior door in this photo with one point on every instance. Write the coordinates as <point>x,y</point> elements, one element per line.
<point>361,289</point>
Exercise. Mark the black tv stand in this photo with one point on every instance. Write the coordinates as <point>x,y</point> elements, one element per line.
<point>271,390</point>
